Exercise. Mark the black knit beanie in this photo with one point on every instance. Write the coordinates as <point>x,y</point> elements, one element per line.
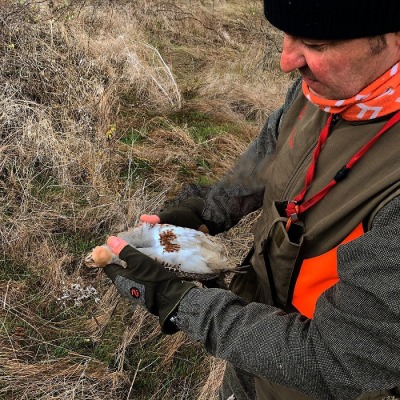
<point>334,19</point>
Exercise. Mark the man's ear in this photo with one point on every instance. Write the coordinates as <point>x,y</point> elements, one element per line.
<point>394,39</point>
<point>397,36</point>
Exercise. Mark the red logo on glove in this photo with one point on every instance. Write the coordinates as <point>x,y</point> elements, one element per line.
<point>135,293</point>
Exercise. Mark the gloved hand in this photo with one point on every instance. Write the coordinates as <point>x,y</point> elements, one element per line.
<point>146,282</point>
<point>188,215</point>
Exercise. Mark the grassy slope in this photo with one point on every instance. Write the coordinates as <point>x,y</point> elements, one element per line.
<point>107,109</point>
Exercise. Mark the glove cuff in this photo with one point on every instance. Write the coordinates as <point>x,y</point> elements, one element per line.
<point>197,205</point>
<point>168,327</point>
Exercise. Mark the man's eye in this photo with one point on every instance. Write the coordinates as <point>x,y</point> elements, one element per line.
<point>315,46</point>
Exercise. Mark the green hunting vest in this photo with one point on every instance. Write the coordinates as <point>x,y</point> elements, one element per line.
<point>277,256</point>
<point>374,180</point>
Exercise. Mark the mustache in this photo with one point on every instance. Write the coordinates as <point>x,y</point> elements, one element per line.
<point>305,72</point>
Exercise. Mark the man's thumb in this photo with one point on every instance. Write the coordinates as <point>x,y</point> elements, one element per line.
<point>116,244</point>
<point>150,218</point>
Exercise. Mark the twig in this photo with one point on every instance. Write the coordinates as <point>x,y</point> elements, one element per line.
<point>5,295</point>
<point>167,69</point>
<point>133,379</point>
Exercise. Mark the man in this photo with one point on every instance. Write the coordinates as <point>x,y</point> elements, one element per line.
<point>318,315</point>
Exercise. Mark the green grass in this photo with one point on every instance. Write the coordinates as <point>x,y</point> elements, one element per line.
<point>76,242</point>
<point>135,169</point>
<point>176,377</point>
<point>44,186</point>
<point>201,126</point>
<point>11,270</point>
<point>132,137</point>
<point>72,344</point>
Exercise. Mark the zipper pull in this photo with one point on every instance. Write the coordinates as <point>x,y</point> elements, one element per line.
<point>335,119</point>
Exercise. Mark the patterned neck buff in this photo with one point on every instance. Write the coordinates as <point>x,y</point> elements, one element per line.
<point>380,98</point>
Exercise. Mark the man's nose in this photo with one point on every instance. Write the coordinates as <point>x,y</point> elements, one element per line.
<point>292,57</point>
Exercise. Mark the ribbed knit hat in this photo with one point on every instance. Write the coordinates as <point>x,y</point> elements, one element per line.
<point>334,19</point>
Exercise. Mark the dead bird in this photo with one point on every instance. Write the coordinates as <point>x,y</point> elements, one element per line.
<point>188,253</point>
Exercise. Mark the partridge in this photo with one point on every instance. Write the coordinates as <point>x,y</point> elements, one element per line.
<point>190,254</point>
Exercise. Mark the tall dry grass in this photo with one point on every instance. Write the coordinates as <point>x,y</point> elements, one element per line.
<point>105,110</point>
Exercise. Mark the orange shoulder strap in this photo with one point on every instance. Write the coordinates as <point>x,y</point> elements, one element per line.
<point>316,275</point>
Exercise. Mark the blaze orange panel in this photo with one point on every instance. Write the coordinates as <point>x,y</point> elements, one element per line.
<point>316,275</point>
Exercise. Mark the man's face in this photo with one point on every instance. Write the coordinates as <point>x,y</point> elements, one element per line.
<point>338,69</point>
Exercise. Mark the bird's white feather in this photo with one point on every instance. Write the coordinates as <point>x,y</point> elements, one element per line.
<point>184,249</point>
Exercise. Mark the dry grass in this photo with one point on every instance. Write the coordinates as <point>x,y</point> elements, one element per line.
<point>106,109</point>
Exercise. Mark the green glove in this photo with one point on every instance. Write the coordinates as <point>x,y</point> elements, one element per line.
<point>188,214</point>
<point>146,282</point>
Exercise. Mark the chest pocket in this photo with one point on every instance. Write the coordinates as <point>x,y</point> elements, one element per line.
<point>280,251</point>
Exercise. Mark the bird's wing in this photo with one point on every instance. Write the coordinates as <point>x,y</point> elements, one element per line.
<point>185,260</point>
<point>211,250</point>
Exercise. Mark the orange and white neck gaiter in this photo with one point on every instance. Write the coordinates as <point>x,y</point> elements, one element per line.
<point>380,98</point>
